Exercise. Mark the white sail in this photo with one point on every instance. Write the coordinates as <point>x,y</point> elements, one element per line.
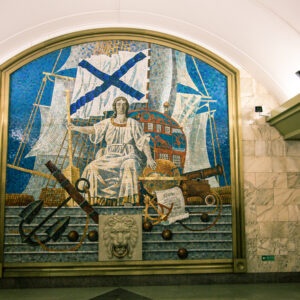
<point>193,123</point>
<point>44,110</point>
<point>53,130</point>
<point>53,122</point>
<point>196,153</point>
<point>185,103</point>
<point>183,76</point>
<point>86,82</point>
<point>186,106</point>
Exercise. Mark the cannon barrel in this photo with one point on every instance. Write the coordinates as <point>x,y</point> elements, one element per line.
<point>71,190</point>
<point>204,173</point>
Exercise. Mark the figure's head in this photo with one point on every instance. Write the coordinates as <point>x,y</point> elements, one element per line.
<point>120,106</point>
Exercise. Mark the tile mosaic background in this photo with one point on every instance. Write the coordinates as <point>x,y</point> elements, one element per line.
<point>197,116</point>
<point>271,186</point>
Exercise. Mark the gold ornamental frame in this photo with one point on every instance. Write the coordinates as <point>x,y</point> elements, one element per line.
<point>236,264</point>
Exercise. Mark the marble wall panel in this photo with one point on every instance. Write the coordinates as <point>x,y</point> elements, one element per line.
<point>286,196</point>
<point>293,148</point>
<point>250,205</point>
<point>248,131</point>
<point>265,213</point>
<point>275,134</point>
<point>269,102</point>
<point>257,164</point>
<point>271,186</point>
<point>278,147</point>
<point>250,180</point>
<point>282,262</point>
<point>263,148</point>
<point>293,263</point>
<point>262,132</point>
<point>251,245</point>
<point>249,148</point>
<point>281,213</point>
<point>252,230</point>
<point>270,180</point>
<point>291,246</point>
<point>265,197</point>
<point>293,212</point>
<point>265,246</point>
<point>280,180</point>
<point>293,180</point>
<point>279,164</point>
<point>265,230</point>
<point>260,120</point>
<point>280,246</point>
<point>293,164</point>
<point>280,230</point>
<point>294,232</point>
<point>253,262</point>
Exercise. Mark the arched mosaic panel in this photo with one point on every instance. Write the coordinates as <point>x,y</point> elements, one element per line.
<point>150,123</point>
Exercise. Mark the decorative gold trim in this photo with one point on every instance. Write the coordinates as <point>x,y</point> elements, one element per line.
<point>3,146</point>
<point>117,268</point>
<point>240,265</point>
<point>238,222</point>
<point>92,35</point>
<point>112,120</point>
<point>144,267</point>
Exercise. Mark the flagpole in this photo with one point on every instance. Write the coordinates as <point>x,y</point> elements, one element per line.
<point>71,172</point>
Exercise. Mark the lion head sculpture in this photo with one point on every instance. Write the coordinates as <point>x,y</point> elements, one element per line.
<point>120,235</point>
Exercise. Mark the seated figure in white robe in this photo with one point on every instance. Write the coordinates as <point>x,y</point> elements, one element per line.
<point>114,174</point>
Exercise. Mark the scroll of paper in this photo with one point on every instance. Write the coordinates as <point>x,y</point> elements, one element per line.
<point>169,196</point>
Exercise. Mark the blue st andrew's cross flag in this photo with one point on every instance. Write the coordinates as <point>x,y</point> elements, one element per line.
<point>100,79</point>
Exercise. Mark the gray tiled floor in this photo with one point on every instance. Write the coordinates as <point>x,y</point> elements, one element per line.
<point>284,291</point>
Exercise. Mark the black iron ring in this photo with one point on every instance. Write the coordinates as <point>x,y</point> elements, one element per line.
<point>85,187</point>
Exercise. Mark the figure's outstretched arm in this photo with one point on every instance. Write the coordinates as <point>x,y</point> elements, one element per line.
<point>82,129</point>
<point>150,161</point>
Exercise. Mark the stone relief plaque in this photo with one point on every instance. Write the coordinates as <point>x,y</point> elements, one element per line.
<point>120,237</point>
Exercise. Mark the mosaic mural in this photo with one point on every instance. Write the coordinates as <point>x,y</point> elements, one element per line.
<point>117,127</point>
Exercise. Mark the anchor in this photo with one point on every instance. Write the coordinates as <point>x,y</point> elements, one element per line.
<point>55,231</point>
<point>161,215</point>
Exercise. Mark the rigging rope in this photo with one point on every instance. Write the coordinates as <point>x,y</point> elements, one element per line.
<point>199,74</point>
<point>66,250</point>
<point>212,138</point>
<point>35,109</point>
<point>33,114</point>
<point>29,120</point>
<point>219,149</point>
<point>219,202</point>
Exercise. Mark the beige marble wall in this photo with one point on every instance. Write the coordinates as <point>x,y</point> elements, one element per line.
<point>272,186</point>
